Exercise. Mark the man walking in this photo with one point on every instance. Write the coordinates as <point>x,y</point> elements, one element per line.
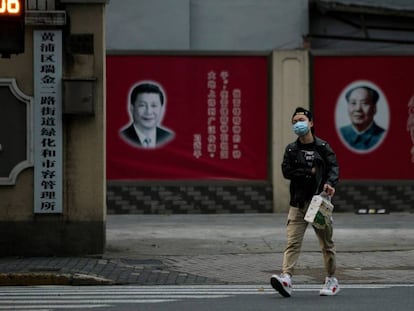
<point>311,166</point>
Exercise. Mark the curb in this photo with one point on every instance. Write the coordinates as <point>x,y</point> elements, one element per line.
<point>31,279</point>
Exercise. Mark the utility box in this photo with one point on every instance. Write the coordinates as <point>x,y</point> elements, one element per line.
<point>78,96</point>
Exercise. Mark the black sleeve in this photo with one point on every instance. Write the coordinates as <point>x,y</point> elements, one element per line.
<point>332,167</point>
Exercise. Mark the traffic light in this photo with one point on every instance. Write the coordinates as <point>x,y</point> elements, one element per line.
<point>12,15</point>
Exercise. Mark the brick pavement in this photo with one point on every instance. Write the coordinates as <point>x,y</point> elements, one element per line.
<point>87,271</point>
<point>360,267</point>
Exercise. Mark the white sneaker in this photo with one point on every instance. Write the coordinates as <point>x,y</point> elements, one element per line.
<point>330,288</point>
<point>282,283</point>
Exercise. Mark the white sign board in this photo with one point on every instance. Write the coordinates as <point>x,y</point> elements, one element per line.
<point>47,52</point>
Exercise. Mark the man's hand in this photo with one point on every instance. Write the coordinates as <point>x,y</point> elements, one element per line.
<point>329,189</point>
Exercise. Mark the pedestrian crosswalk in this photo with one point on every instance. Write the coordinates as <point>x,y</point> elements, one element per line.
<point>57,297</point>
<point>42,298</point>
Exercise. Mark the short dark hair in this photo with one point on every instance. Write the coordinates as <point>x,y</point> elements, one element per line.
<point>373,93</point>
<point>303,111</point>
<point>146,88</point>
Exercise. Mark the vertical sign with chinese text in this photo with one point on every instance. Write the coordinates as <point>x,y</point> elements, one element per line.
<point>47,121</point>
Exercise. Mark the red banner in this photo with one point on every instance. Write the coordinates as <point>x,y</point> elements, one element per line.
<point>207,115</point>
<point>364,107</point>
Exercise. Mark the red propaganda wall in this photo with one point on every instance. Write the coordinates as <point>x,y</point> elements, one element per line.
<point>215,106</point>
<point>392,156</point>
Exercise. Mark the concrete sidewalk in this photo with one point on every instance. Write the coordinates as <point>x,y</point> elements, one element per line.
<point>228,248</point>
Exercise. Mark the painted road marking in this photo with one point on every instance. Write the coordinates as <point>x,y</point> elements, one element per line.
<point>42,298</point>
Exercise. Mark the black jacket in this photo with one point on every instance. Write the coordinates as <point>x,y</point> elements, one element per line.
<point>295,168</point>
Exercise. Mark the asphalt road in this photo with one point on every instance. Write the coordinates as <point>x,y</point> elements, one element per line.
<point>205,298</point>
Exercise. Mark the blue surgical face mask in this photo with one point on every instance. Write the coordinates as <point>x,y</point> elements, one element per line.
<point>301,128</point>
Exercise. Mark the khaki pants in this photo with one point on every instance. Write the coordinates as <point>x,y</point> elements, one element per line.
<point>296,227</point>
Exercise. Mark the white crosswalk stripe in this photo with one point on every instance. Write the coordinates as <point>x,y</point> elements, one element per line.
<point>42,298</point>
